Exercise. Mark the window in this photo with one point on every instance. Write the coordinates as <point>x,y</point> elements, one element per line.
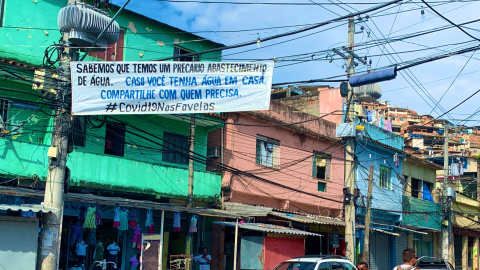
<point>321,165</point>
<point>427,189</point>
<point>115,139</point>
<point>401,118</point>
<point>336,266</point>
<point>79,131</point>
<point>323,266</point>
<point>416,187</point>
<point>347,266</point>
<point>385,180</point>
<point>322,186</point>
<point>3,111</point>
<point>396,129</point>
<point>296,266</point>
<point>177,51</point>
<point>175,148</point>
<point>114,52</point>
<point>267,152</point>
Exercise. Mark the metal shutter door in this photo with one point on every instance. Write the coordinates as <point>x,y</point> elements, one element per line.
<point>379,252</point>
<point>402,243</point>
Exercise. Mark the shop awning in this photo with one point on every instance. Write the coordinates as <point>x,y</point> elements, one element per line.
<point>26,208</point>
<point>122,202</point>
<point>268,228</point>
<point>379,230</point>
<point>398,228</point>
<point>309,219</point>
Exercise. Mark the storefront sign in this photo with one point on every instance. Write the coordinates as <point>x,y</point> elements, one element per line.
<point>107,88</point>
<point>326,228</point>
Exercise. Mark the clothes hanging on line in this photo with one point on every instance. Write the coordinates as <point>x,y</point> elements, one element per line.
<point>123,220</point>
<point>116,217</point>
<point>149,221</point>
<point>177,222</point>
<point>90,219</point>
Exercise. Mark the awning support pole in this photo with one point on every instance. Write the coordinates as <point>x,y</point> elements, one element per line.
<point>236,247</point>
<point>160,247</point>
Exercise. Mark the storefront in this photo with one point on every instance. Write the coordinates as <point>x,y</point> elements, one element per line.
<point>263,246</point>
<point>93,223</point>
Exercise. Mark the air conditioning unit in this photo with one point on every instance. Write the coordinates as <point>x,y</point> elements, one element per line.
<point>213,152</point>
<point>84,24</point>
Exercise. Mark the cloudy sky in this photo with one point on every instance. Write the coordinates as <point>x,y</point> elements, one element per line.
<point>418,88</point>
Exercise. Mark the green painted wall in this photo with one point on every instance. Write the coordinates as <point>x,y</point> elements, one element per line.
<point>418,171</point>
<point>412,205</point>
<point>30,26</point>
<point>27,160</point>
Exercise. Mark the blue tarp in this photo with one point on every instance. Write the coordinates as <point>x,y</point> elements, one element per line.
<point>427,195</point>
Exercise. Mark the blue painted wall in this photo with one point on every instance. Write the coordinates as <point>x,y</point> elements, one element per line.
<point>377,148</point>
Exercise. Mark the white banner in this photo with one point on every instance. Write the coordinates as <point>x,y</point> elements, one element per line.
<point>102,88</point>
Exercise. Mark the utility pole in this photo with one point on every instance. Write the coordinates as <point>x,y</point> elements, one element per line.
<point>50,236</point>
<point>446,226</point>
<point>366,238</point>
<point>350,158</point>
<point>191,162</point>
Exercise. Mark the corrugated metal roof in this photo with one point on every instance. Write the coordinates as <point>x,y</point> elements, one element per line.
<point>26,208</point>
<point>309,219</point>
<point>268,228</point>
<point>117,201</point>
<point>379,230</point>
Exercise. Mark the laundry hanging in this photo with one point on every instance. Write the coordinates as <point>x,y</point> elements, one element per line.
<point>123,220</point>
<point>116,217</point>
<point>193,224</point>
<point>133,218</point>
<point>149,221</point>
<point>90,218</point>
<point>177,222</point>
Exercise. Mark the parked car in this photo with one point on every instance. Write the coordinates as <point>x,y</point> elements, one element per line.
<point>317,262</point>
<point>432,263</point>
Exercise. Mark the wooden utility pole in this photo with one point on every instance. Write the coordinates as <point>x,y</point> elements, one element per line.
<point>366,238</point>
<point>50,235</point>
<point>350,159</point>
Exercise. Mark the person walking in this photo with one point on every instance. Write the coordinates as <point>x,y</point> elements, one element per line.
<point>362,266</point>
<point>409,260</point>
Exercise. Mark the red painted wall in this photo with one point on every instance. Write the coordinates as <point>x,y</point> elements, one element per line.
<point>278,250</point>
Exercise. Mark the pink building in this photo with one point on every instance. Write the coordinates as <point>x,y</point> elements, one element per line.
<point>296,168</point>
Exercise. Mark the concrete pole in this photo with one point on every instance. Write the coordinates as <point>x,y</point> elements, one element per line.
<point>446,227</point>
<point>191,162</point>
<point>50,236</point>
<point>464,252</point>
<point>160,247</point>
<point>235,249</point>
<point>349,160</point>
<point>366,238</point>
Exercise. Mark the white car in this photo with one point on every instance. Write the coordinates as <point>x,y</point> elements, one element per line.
<point>317,262</point>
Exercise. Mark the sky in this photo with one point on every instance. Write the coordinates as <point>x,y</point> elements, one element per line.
<point>418,88</point>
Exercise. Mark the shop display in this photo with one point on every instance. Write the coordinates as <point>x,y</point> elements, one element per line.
<point>149,221</point>
<point>81,252</point>
<point>133,218</point>
<point>76,235</point>
<point>123,220</point>
<point>90,219</point>
<point>134,262</point>
<point>116,218</point>
<point>98,214</point>
<point>137,237</point>
<point>193,224</point>
<point>177,227</point>
<point>113,250</point>
<point>99,251</point>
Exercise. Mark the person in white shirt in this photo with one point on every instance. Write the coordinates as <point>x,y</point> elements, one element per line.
<point>409,260</point>
<point>204,260</point>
